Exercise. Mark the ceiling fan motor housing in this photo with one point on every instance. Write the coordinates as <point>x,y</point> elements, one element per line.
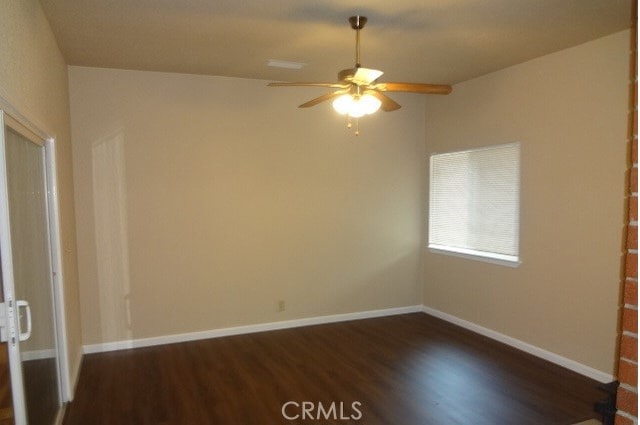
<point>347,74</point>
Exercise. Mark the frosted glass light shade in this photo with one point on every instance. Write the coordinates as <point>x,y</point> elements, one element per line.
<point>342,104</point>
<point>356,106</point>
<point>369,103</point>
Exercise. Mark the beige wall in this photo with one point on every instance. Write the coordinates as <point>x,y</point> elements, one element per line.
<point>33,79</point>
<point>569,112</point>
<point>203,201</point>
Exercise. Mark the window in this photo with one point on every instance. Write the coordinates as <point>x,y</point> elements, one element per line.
<point>474,203</point>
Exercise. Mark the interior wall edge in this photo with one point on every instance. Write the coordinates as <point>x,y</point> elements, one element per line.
<point>74,373</point>
<point>565,362</point>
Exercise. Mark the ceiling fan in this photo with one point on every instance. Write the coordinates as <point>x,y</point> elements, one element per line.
<point>359,92</point>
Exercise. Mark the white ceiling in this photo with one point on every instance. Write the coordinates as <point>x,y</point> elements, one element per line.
<point>431,41</point>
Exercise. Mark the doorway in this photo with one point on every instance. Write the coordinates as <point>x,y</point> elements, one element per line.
<point>27,259</point>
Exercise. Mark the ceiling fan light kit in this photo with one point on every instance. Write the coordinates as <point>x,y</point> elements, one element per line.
<point>356,106</point>
<point>359,92</point>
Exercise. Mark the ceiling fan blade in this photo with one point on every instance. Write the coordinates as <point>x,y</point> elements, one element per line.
<point>413,88</point>
<point>366,76</point>
<point>324,97</point>
<point>302,84</point>
<point>388,104</point>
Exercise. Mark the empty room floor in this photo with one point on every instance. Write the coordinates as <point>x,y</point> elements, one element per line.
<point>410,369</point>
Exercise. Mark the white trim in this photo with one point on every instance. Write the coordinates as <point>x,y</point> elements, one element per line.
<point>523,346</point>
<point>443,241</point>
<point>15,367</point>
<point>9,116</point>
<point>247,329</point>
<point>472,254</point>
<point>48,353</point>
<point>56,265</point>
<point>13,113</point>
<point>53,214</point>
<point>319,320</point>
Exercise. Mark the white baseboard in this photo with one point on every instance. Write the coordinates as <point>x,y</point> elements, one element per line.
<point>239,330</point>
<point>67,390</point>
<point>49,353</point>
<point>523,346</point>
<point>287,324</point>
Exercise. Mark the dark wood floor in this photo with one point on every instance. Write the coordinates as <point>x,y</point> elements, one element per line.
<point>41,396</point>
<point>411,369</point>
<point>6,403</point>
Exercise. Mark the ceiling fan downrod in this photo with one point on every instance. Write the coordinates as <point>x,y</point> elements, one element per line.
<point>357,23</point>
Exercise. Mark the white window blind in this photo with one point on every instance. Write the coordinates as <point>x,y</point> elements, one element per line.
<point>474,202</point>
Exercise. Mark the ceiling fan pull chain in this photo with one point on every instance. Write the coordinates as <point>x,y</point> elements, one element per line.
<point>350,124</point>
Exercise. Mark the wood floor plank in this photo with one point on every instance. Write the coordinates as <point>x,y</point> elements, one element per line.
<point>410,369</point>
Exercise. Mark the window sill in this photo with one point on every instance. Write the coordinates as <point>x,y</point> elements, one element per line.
<point>486,257</point>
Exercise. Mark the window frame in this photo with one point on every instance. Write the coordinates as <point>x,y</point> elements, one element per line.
<point>507,260</point>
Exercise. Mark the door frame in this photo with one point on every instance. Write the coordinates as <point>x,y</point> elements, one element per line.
<point>11,117</point>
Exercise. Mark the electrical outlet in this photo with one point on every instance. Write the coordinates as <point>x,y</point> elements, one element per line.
<point>281,305</point>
